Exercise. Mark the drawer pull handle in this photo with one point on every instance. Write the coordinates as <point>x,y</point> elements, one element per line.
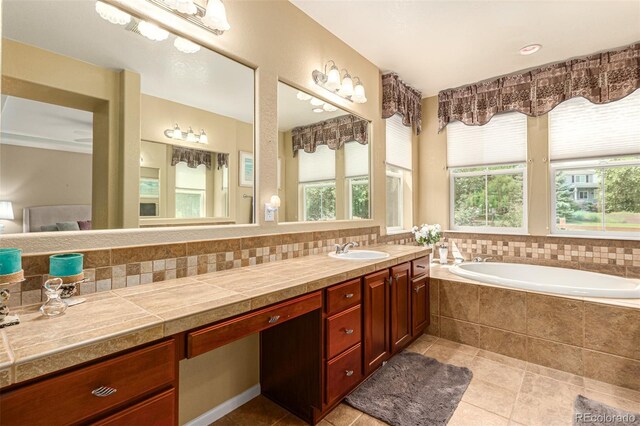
<point>103,391</point>
<point>419,288</point>
<point>348,330</point>
<point>390,281</point>
<point>274,319</point>
<point>397,278</point>
<point>348,295</point>
<point>421,267</point>
<point>349,373</point>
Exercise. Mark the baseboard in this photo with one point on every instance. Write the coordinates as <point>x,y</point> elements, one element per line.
<point>225,408</point>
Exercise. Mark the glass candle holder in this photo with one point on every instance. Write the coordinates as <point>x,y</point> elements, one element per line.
<point>54,305</point>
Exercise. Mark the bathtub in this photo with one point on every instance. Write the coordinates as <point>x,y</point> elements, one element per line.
<point>548,279</point>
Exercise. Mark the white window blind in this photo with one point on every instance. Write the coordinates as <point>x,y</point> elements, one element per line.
<point>398,143</point>
<point>317,166</point>
<point>581,129</point>
<point>189,178</point>
<point>356,159</point>
<point>501,141</point>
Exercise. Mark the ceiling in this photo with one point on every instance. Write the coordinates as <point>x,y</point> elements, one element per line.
<point>204,80</point>
<point>46,126</point>
<point>293,112</point>
<point>438,44</point>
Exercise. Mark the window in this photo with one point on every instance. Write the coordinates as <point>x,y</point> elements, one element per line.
<point>399,164</point>
<point>487,167</point>
<point>191,187</point>
<point>596,189</point>
<point>317,178</point>
<point>356,160</point>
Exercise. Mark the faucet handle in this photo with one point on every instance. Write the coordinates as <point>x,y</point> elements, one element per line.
<point>338,248</point>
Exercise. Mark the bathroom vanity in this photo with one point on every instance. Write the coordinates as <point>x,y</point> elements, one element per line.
<point>321,335</point>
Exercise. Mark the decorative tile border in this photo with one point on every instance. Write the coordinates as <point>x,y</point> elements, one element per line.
<point>131,266</point>
<point>616,257</point>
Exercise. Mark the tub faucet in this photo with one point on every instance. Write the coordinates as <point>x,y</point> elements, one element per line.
<point>482,259</point>
<point>344,249</point>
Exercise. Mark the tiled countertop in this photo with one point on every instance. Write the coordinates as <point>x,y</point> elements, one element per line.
<point>443,272</point>
<point>116,320</point>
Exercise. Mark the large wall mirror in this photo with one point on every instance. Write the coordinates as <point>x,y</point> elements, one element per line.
<point>109,121</point>
<point>323,160</point>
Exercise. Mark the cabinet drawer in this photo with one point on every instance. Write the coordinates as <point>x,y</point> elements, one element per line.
<point>159,410</point>
<point>420,266</point>
<point>343,331</point>
<point>71,397</point>
<point>343,296</point>
<point>343,373</point>
<point>209,338</point>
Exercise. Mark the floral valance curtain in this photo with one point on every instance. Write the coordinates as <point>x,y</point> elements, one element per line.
<point>398,97</point>
<point>600,78</point>
<point>193,157</point>
<point>334,133</point>
<point>223,160</point>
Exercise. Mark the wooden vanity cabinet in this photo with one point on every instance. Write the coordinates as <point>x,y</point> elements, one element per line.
<point>400,310</point>
<point>135,387</point>
<point>376,320</point>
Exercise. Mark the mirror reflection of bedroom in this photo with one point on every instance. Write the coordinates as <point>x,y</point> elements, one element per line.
<point>94,136</point>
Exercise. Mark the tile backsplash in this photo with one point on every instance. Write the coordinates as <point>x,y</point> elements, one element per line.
<point>114,268</point>
<point>616,257</point>
<point>107,269</point>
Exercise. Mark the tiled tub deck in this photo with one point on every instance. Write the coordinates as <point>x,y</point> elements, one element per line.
<point>591,337</point>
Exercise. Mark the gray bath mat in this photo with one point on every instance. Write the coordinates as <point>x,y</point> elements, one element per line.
<point>589,412</point>
<point>412,390</point>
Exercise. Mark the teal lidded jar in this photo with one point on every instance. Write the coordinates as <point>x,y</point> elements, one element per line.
<point>65,265</point>
<point>10,261</point>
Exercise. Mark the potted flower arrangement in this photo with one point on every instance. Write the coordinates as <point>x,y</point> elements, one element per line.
<point>427,235</point>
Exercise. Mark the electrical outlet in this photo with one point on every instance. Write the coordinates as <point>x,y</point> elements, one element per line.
<point>269,214</point>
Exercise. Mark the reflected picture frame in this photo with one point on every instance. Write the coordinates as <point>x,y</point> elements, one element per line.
<point>245,169</point>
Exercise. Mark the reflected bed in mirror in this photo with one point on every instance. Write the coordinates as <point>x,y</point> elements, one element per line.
<point>323,159</point>
<point>99,136</point>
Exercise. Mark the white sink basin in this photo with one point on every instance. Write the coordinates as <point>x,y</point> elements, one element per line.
<point>360,255</point>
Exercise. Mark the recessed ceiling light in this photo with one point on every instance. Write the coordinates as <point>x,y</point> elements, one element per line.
<point>530,49</point>
<point>318,110</point>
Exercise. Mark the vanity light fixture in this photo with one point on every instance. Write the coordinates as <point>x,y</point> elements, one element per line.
<point>216,16</point>
<point>185,46</point>
<point>303,96</point>
<point>189,136</point>
<point>152,31</point>
<point>271,208</point>
<point>187,7</point>
<point>112,14</point>
<point>340,85</point>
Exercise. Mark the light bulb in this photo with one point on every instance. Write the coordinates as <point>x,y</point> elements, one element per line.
<point>358,94</point>
<point>317,110</point>
<point>347,86</point>
<point>333,79</point>
<point>185,46</point>
<point>152,31</point>
<point>112,14</point>
<point>216,16</point>
<point>203,137</point>
<point>177,133</point>
<point>186,6</point>
<point>303,96</point>
<point>329,108</point>
<point>316,102</point>
<point>191,137</point>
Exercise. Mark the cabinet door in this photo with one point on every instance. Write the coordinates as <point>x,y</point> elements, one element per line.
<point>376,320</point>
<point>400,306</point>
<point>419,305</point>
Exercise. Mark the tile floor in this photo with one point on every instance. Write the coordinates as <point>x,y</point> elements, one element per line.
<point>504,391</point>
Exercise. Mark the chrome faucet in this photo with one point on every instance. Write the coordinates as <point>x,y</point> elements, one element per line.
<point>344,249</point>
<point>478,259</point>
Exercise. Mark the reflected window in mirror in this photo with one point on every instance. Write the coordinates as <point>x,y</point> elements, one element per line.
<point>323,159</point>
<point>82,109</point>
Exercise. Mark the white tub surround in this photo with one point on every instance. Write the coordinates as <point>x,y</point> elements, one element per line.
<point>546,279</point>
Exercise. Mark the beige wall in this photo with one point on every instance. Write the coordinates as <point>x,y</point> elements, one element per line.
<point>434,178</point>
<point>210,379</point>
<point>38,177</point>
